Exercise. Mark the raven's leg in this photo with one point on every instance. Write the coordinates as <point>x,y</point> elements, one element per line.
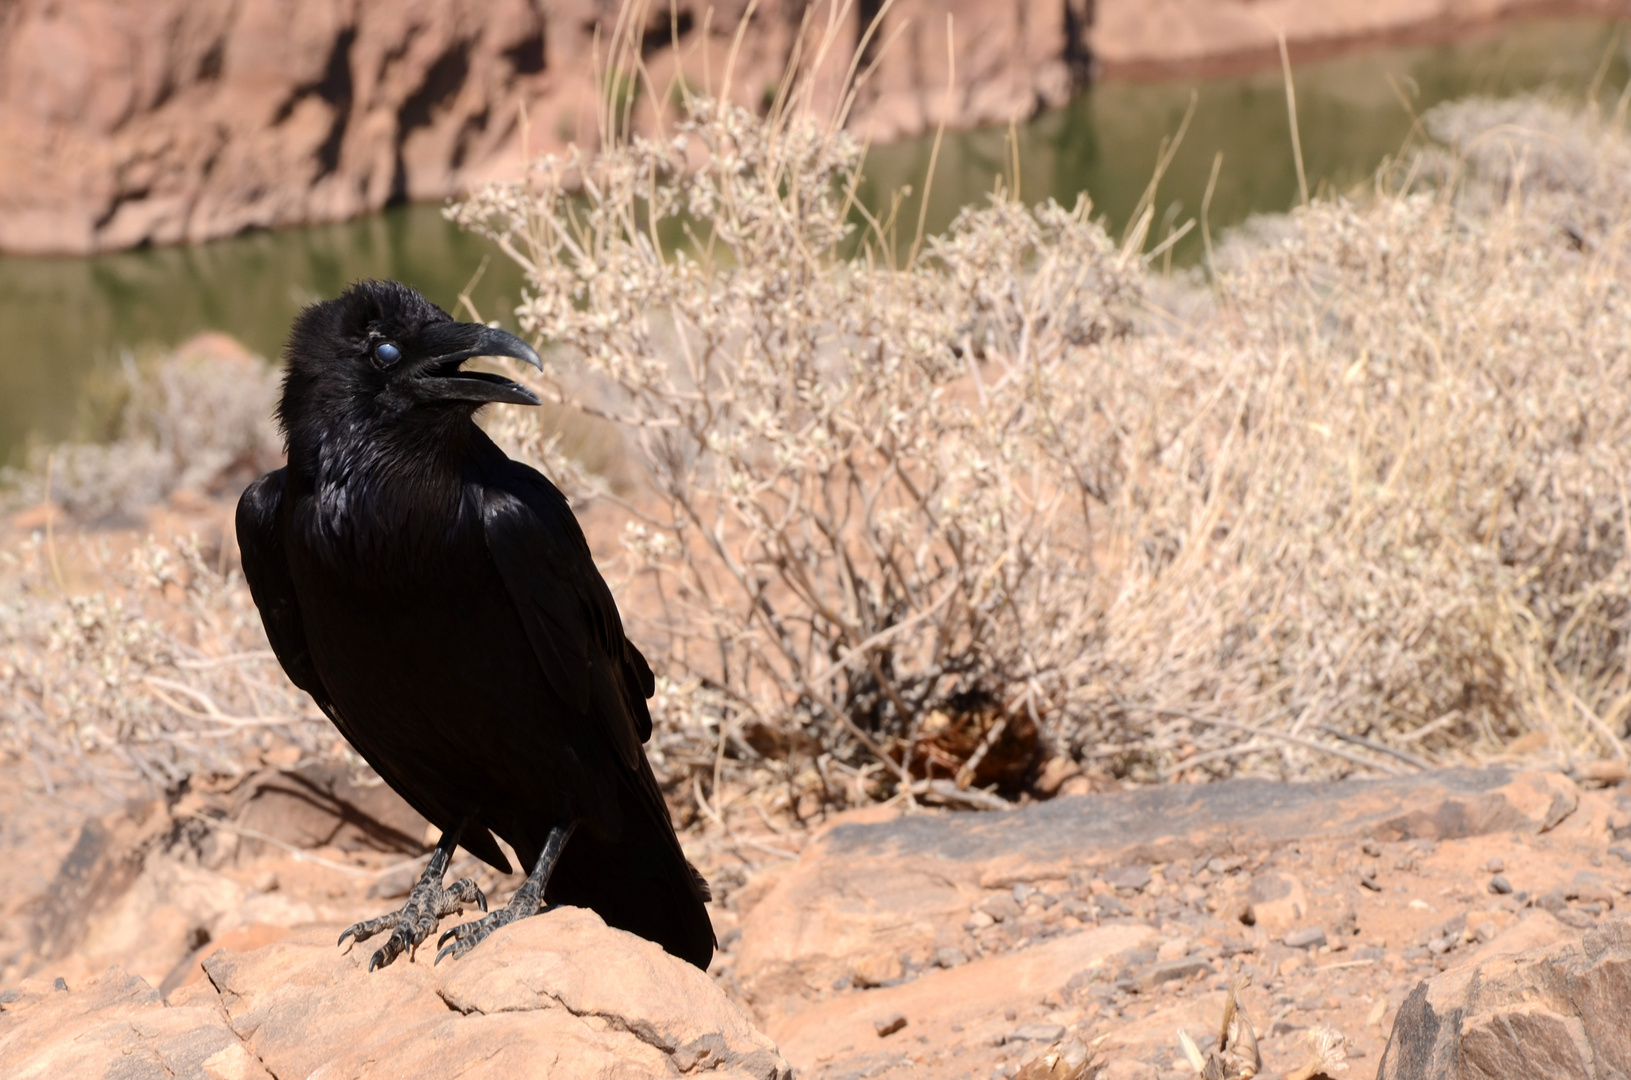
<point>528,899</point>
<point>427,903</point>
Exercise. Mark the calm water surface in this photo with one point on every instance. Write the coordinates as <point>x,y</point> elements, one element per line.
<point>64,320</point>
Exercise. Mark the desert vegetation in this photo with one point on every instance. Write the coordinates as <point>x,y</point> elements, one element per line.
<point>1350,497</point>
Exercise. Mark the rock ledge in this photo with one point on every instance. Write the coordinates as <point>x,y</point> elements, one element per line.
<point>557,995</point>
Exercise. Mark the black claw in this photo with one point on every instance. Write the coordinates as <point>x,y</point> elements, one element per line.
<point>410,925</point>
<point>453,933</point>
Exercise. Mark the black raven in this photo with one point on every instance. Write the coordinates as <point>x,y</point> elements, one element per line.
<point>439,602</point>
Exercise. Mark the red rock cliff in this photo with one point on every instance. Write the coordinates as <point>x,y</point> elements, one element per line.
<point>179,120</point>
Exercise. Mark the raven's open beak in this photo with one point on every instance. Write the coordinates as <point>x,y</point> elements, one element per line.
<point>451,344</point>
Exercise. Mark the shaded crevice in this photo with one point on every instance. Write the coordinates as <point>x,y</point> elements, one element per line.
<point>209,65</point>
<point>220,1002</point>
<point>115,205</point>
<point>668,33</point>
<point>154,1050</point>
<point>442,83</point>
<point>527,57</point>
<point>336,89</point>
<point>641,1030</point>
<point>473,124</point>
<point>706,1052</point>
<point>866,13</point>
<point>1078,55</point>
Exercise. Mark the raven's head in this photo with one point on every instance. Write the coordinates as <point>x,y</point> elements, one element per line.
<point>380,352</point>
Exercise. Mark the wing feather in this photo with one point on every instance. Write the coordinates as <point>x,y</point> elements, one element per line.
<point>266,569</point>
<point>570,616</point>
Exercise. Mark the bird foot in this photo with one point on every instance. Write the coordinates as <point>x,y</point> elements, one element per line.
<point>411,924</point>
<point>467,936</point>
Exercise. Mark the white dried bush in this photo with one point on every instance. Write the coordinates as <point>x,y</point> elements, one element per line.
<point>853,532</point>
<point>195,418</point>
<point>160,673</point>
<point>1366,508</point>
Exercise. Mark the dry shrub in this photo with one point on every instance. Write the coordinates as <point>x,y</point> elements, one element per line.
<point>854,535</point>
<point>162,672</point>
<point>1365,508</point>
<point>1390,501</point>
<point>199,417</point>
<point>162,669</point>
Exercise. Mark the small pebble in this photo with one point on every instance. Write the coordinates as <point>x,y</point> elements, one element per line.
<point>1132,878</point>
<point>1500,885</point>
<point>889,1025</point>
<point>1494,864</point>
<point>1307,937</point>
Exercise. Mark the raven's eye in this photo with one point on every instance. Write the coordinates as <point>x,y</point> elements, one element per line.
<point>386,353</point>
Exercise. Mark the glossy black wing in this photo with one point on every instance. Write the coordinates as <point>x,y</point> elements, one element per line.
<point>266,568</point>
<point>570,617</point>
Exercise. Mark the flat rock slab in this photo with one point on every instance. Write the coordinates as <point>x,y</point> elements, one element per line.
<point>556,995</point>
<point>116,1026</point>
<point>1161,823</point>
<point>865,892</point>
<point>973,997</point>
<point>1557,1012</point>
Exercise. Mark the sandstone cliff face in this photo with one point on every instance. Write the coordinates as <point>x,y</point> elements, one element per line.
<point>181,120</point>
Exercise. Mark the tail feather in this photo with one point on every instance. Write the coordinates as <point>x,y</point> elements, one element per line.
<point>642,887</point>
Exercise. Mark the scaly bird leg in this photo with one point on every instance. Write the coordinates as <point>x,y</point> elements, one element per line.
<point>427,904</point>
<point>528,899</point>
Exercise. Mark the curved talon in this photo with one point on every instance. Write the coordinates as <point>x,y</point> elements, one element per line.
<point>414,921</point>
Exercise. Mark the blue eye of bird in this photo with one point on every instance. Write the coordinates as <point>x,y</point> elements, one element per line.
<point>387,353</point>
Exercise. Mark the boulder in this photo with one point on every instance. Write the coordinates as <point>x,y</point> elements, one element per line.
<point>1556,1011</point>
<point>556,995</point>
<point>145,886</point>
<point>116,1025</point>
<point>878,885</point>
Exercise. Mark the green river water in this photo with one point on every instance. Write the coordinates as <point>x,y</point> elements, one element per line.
<point>64,319</point>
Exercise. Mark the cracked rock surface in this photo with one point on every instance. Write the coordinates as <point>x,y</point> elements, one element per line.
<point>561,994</point>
